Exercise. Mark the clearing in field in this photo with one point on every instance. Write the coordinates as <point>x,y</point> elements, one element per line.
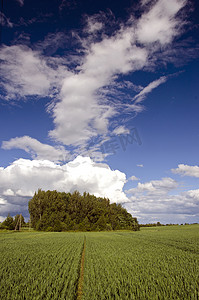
<point>155,263</point>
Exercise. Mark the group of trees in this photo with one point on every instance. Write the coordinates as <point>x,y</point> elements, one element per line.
<point>10,223</point>
<point>56,211</point>
<point>151,224</point>
<point>159,224</point>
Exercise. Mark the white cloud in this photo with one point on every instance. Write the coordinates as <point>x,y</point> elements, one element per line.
<point>94,23</point>
<point>156,199</point>
<point>26,72</point>
<point>194,194</point>
<point>36,149</point>
<point>23,177</point>
<point>87,115</point>
<point>2,201</point>
<point>186,170</point>
<point>78,116</point>
<point>24,193</point>
<point>8,192</point>
<point>95,27</point>
<point>133,178</point>
<point>140,165</point>
<point>159,23</point>
<point>121,130</point>
<point>83,111</point>
<point>86,111</point>
<point>148,89</point>
<point>162,186</point>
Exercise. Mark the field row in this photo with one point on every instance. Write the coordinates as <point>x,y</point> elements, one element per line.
<point>157,263</point>
<point>40,265</point>
<point>128,266</point>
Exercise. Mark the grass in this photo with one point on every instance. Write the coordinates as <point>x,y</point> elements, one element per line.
<point>155,263</point>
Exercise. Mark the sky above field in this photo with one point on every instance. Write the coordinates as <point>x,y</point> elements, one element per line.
<point>101,96</point>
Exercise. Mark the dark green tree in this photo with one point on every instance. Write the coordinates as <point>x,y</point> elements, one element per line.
<point>55,211</point>
<point>8,223</point>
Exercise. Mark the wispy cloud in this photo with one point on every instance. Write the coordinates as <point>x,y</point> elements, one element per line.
<point>26,72</point>
<point>67,4</point>
<point>113,55</point>
<point>94,23</point>
<point>149,88</point>
<point>4,21</point>
<point>21,2</point>
<point>121,130</point>
<point>82,109</point>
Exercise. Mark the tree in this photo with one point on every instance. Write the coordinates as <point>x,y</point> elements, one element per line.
<point>17,220</point>
<point>101,223</point>
<point>85,225</point>
<point>55,211</point>
<point>8,223</point>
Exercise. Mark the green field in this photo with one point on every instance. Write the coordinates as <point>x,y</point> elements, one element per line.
<point>155,263</point>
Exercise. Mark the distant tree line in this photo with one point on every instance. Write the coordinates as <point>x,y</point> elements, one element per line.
<point>59,211</point>
<point>151,224</point>
<point>159,224</point>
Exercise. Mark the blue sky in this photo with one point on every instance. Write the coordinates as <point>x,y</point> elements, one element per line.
<point>101,96</point>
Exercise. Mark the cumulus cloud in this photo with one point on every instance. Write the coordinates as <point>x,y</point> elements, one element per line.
<point>157,200</point>
<point>186,170</point>
<point>8,192</point>
<point>23,177</point>
<point>36,149</point>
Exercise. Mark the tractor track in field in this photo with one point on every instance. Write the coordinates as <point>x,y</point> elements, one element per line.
<point>81,273</point>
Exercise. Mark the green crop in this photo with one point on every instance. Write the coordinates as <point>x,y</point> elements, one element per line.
<point>151,264</point>
<point>155,263</point>
<point>39,265</point>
